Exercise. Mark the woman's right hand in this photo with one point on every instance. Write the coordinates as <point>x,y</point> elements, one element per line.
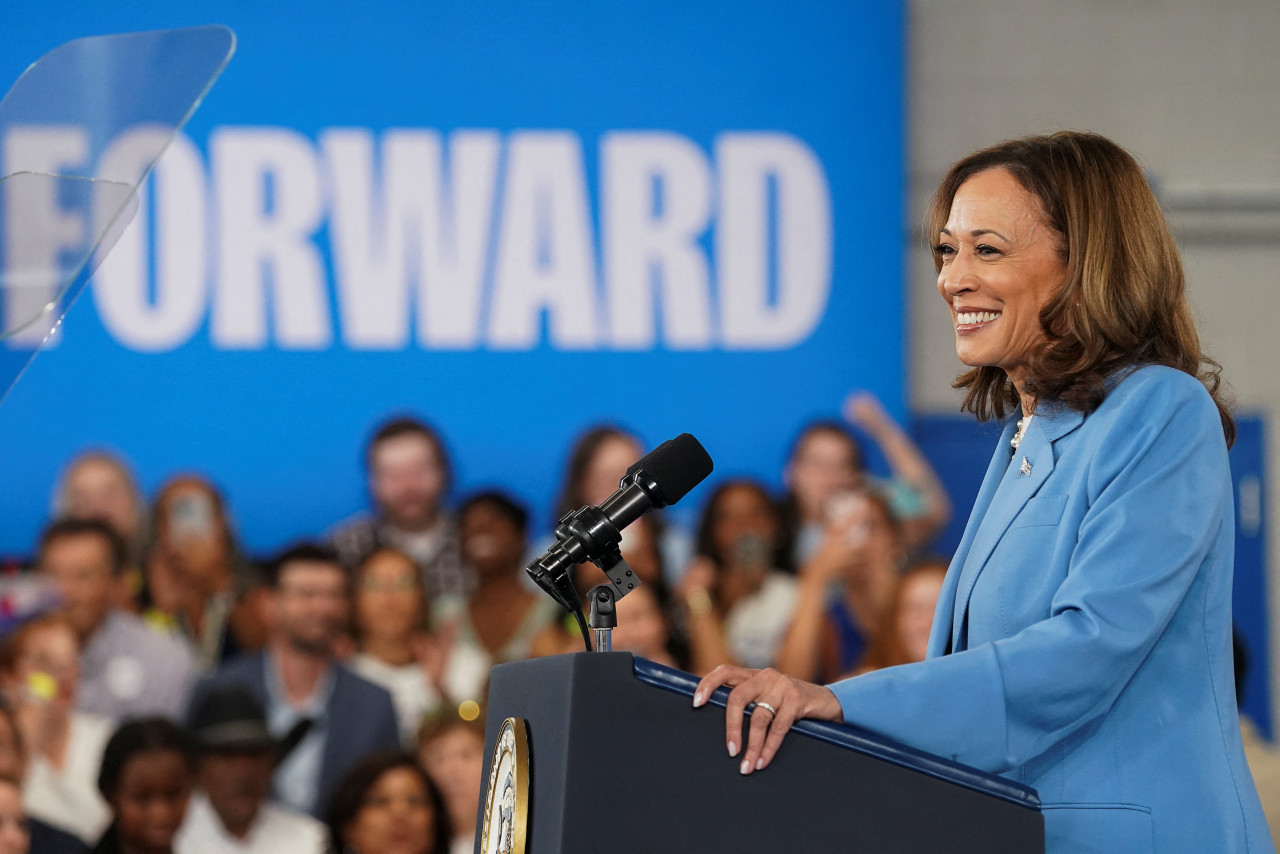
<point>700,577</point>
<point>789,700</point>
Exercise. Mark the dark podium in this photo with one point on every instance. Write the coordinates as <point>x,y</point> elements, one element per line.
<point>619,761</point>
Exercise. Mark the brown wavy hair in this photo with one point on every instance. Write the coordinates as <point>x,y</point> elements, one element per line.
<point>1123,302</point>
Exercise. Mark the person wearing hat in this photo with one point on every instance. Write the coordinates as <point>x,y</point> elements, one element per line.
<point>230,812</point>
<point>298,679</point>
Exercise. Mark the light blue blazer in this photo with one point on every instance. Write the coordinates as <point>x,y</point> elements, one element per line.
<point>1082,641</point>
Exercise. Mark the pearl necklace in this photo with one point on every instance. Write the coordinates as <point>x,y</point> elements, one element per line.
<point>1022,429</point>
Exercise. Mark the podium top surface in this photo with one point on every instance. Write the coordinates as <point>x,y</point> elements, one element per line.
<point>862,741</point>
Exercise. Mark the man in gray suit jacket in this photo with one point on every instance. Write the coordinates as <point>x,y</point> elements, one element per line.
<point>333,717</point>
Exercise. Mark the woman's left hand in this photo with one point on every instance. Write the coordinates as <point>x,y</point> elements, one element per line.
<point>788,699</point>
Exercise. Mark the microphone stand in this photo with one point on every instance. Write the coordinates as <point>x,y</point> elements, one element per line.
<point>604,597</point>
<point>555,578</point>
<point>604,616</point>
<point>592,533</point>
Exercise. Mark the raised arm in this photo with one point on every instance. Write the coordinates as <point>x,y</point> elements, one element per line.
<point>708,646</point>
<point>907,463</point>
<point>808,636</point>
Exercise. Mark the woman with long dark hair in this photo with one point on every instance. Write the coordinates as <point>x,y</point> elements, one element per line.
<point>394,647</point>
<point>198,580</point>
<point>827,461</point>
<point>737,604</point>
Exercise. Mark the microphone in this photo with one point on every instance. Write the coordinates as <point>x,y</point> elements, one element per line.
<point>661,478</point>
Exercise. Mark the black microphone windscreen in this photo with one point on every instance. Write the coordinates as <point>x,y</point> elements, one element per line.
<point>676,466</point>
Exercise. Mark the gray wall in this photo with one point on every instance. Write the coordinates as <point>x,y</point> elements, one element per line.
<point>1192,87</point>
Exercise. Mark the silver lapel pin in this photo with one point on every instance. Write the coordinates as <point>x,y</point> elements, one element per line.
<point>1024,470</point>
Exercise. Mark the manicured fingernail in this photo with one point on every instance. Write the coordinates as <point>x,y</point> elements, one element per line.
<point>759,763</point>
<point>745,767</point>
<point>698,700</point>
<point>733,749</point>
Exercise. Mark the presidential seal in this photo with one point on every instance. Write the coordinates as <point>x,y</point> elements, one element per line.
<point>506,804</point>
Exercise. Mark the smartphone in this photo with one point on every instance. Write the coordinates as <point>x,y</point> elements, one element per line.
<point>191,517</point>
<point>848,510</point>
<point>751,552</point>
<point>842,505</point>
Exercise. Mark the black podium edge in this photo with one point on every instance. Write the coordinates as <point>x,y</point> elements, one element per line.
<point>854,738</point>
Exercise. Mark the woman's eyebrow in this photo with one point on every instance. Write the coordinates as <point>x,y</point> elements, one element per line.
<point>978,232</point>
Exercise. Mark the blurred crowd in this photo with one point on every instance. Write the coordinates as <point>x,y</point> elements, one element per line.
<point>165,691</point>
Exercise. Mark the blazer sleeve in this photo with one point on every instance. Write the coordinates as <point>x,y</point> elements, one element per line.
<point>1159,497</point>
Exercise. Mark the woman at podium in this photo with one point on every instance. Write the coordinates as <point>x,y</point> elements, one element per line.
<point>1082,641</point>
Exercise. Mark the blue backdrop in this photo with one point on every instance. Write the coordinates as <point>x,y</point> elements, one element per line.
<point>515,219</point>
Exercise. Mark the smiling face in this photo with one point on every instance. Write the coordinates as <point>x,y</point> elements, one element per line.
<point>236,783</point>
<point>491,541</point>
<point>310,605</point>
<point>1001,263</point>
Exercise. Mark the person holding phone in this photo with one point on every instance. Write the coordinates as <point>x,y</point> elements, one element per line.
<point>844,592</point>
<point>737,604</point>
<point>826,463</point>
<point>197,575</point>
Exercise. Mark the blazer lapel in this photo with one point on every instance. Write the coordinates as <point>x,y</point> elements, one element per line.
<point>1022,477</point>
<point>941,633</point>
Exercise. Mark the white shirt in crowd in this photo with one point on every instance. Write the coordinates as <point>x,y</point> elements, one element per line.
<point>413,696</point>
<point>68,798</point>
<point>757,625</point>
<point>276,830</point>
